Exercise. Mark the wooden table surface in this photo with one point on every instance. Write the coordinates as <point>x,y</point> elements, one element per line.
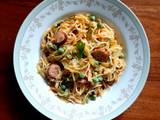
<point>14,106</point>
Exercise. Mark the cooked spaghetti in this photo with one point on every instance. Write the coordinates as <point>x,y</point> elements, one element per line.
<point>80,58</point>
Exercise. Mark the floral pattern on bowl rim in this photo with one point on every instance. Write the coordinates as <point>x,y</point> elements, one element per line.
<point>116,99</point>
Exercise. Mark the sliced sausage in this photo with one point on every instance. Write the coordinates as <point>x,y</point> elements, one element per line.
<point>100,54</point>
<point>60,37</point>
<point>54,71</point>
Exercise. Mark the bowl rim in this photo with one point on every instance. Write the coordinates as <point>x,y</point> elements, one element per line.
<point>122,107</point>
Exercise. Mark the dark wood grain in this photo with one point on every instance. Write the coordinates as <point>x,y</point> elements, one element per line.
<point>14,106</point>
<point>147,106</point>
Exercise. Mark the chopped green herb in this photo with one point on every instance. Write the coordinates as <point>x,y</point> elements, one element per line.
<point>68,79</point>
<point>80,46</point>
<point>100,78</point>
<point>55,47</point>
<point>82,75</point>
<point>97,79</point>
<point>63,87</point>
<point>92,97</point>
<point>68,84</point>
<point>96,63</point>
<point>99,25</point>
<point>92,17</point>
<point>63,93</point>
<point>60,51</point>
<point>69,56</point>
<point>50,45</point>
<point>74,51</point>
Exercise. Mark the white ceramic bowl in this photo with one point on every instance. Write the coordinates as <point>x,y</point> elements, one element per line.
<point>115,100</point>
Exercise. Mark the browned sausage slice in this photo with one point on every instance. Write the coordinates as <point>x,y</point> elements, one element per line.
<point>60,37</point>
<point>54,71</point>
<point>100,54</point>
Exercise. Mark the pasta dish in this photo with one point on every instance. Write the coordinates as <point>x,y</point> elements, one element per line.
<point>80,57</point>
